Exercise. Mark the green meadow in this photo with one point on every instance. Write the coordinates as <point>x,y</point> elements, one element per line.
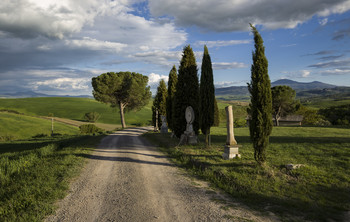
<point>15,127</point>
<point>75,108</point>
<point>318,191</point>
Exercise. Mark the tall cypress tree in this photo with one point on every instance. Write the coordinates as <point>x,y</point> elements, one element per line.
<point>260,107</point>
<point>159,102</point>
<point>187,92</point>
<point>171,94</point>
<point>216,114</point>
<point>207,96</point>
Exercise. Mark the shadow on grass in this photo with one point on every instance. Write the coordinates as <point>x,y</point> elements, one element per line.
<point>32,144</point>
<point>285,139</point>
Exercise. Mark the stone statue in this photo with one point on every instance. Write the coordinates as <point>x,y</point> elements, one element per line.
<point>231,147</point>
<point>189,136</point>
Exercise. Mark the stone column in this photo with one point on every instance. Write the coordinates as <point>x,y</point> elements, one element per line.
<point>231,147</point>
<point>230,140</point>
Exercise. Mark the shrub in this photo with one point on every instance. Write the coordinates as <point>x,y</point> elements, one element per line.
<point>90,129</point>
<point>91,117</point>
<point>240,122</point>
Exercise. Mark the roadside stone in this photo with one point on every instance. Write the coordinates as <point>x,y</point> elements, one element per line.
<point>294,166</point>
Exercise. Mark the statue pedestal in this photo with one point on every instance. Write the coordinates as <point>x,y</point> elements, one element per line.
<point>231,151</point>
<point>188,138</point>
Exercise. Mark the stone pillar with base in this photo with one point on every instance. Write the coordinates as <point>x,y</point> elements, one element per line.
<point>231,147</point>
<point>164,127</point>
<point>156,123</point>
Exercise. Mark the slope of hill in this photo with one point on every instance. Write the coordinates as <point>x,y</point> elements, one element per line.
<point>308,89</point>
<point>16,126</point>
<point>301,86</point>
<point>31,94</point>
<point>75,108</point>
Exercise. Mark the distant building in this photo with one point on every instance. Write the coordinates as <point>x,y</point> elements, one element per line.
<point>290,120</point>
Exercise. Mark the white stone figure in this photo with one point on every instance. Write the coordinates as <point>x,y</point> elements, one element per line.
<point>231,147</point>
<point>164,127</point>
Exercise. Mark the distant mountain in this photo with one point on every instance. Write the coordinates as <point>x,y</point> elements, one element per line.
<point>242,93</point>
<point>301,86</point>
<point>31,94</point>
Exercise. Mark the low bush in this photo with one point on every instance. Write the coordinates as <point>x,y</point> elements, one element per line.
<point>90,129</point>
<point>91,117</point>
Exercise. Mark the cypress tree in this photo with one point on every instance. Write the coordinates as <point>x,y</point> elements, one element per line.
<point>207,96</point>
<point>171,94</point>
<point>260,107</point>
<point>159,102</point>
<point>187,92</point>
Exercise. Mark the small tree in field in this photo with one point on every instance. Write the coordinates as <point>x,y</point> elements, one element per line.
<point>283,102</point>
<point>260,107</point>
<point>125,90</point>
<point>92,116</point>
<point>171,94</point>
<point>187,92</point>
<point>159,103</point>
<point>207,96</point>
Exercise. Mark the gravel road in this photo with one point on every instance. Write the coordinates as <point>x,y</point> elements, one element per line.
<point>127,179</point>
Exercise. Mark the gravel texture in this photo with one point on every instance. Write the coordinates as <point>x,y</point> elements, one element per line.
<point>127,179</point>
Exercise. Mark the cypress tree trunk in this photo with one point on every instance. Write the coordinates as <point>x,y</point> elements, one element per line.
<point>260,108</point>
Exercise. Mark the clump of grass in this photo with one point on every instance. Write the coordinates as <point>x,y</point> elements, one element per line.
<point>34,175</point>
<point>317,191</point>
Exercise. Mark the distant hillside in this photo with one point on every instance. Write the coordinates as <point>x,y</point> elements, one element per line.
<point>242,93</point>
<point>31,94</point>
<point>302,86</point>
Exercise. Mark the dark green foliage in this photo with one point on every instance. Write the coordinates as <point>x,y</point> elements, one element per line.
<point>216,114</point>
<point>283,102</point>
<point>310,116</point>
<point>337,115</point>
<point>187,92</point>
<point>260,107</point>
<point>124,89</point>
<point>159,103</point>
<point>171,94</point>
<point>207,96</point>
<point>91,117</point>
<point>89,129</point>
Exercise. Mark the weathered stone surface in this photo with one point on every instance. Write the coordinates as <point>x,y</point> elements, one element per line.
<point>164,127</point>
<point>230,140</point>
<point>294,166</point>
<point>231,147</point>
<point>189,136</point>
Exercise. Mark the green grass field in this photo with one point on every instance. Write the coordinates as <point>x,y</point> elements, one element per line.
<point>35,173</point>
<point>75,108</point>
<point>319,191</point>
<point>16,127</point>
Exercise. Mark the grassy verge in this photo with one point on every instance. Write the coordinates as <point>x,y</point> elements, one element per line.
<point>34,174</point>
<point>318,191</point>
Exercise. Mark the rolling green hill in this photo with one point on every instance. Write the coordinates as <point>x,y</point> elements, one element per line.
<point>16,126</point>
<point>75,108</point>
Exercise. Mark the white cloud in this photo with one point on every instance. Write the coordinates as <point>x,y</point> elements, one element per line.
<point>228,65</point>
<point>94,44</point>
<point>69,84</point>
<point>323,21</point>
<point>223,15</point>
<point>332,72</point>
<point>154,79</point>
<point>296,74</point>
<point>221,43</point>
<point>164,58</point>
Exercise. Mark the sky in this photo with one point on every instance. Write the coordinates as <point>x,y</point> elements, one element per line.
<point>56,46</point>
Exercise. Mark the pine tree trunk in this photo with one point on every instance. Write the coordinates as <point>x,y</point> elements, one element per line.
<point>122,119</point>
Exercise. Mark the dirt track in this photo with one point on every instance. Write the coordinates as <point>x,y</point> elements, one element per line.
<point>126,179</point>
